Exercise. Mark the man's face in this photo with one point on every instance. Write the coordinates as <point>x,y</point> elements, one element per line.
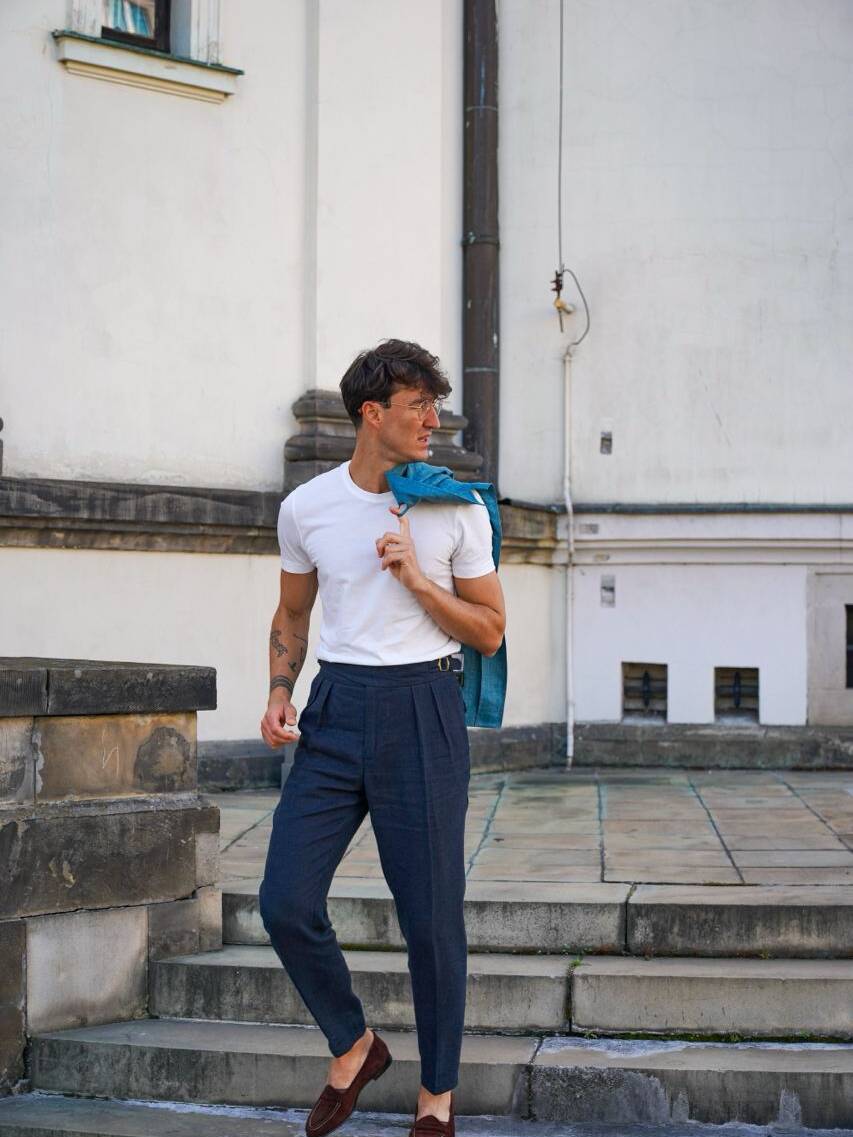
<point>407,424</point>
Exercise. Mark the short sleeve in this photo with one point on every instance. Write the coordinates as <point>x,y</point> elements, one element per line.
<point>472,551</point>
<point>294,558</point>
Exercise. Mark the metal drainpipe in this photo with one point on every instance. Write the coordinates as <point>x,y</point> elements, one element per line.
<point>480,249</point>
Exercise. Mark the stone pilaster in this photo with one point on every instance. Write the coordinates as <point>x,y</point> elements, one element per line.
<point>326,437</point>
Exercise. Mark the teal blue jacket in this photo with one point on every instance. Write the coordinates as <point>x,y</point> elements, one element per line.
<point>484,686</point>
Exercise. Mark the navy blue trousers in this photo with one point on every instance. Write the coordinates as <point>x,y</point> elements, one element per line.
<point>391,741</point>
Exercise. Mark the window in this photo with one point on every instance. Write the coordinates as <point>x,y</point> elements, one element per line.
<point>142,22</point>
<point>644,690</point>
<point>849,610</point>
<point>736,693</point>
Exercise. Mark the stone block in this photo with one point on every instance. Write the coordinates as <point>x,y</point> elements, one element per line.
<point>781,921</point>
<point>209,918</point>
<point>17,761</point>
<point>86,967</point>
<point>183,927</point>
<point>12,1003</point>
<point>88,857</point>
<point>41,686</point>
<point>207,846</point>
<point>110,755</point>
<point>258,1065</point>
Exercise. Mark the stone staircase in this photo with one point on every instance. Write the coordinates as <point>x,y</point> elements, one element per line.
<point>587,1004</point>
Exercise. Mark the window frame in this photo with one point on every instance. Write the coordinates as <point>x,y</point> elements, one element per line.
<point>160,41</point>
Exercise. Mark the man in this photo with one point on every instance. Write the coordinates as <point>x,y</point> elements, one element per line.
<point>383,730</point>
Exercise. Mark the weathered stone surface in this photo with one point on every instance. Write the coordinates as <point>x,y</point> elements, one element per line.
<point>713,745</point>
<point>86,967</point>
<point>754,998</point>
<point>17,761</point>
<point>47,686</point>
<point>93,858</point>
<point>253,1064</point>
<point>246,764</point>
<point>182,927</point>
<point>248,984</point>
<point>207,846</point>
<point>110,755</point>
<point>12,1003</point>
<point>782,921</point>
<point>606,1080</point>
<point>499,916</point>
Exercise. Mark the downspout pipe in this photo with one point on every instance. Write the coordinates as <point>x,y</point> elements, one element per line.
<point>480,245</point>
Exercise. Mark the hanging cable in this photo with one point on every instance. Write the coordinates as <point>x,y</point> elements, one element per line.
<point>557,283</point>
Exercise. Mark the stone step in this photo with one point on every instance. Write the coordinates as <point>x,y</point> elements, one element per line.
<point>781,921</point>
<point>728,920</point>
<point>248,984</point>
<point>564,1080</point>
<point>52,1115</point>
<point>258,1065</point>
<point>753,998</point>
<point>499,915</point>
<point>641,1082</point>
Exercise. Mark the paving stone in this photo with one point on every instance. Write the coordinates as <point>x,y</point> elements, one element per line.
<point>248,984</point>
<point>754,998</point>
<point>254,1064</point>
<point>783,921</point>
<point>605,1080</point>
<point>51,1115</point>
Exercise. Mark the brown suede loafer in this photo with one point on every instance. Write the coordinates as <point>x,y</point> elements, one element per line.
<point>333,1107</point>
<point>430,1126</point>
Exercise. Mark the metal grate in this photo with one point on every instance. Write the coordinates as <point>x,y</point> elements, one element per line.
<point>736,693</point>
<point>644,690</point>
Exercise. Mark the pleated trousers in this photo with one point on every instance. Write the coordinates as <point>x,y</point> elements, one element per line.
<point>390,741</point>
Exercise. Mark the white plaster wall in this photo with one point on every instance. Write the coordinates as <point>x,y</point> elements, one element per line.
<point>215,610</point>
<point>387,78</point>
<point>165,293</point>
<point>693,618</point>
<point>150,273</point>
<point>536,643</point>
<point>707,164</point>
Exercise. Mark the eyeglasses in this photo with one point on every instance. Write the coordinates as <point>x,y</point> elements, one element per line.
<point>422,406</point>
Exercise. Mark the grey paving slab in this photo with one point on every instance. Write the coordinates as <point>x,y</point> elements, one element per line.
<point>53,1115</point>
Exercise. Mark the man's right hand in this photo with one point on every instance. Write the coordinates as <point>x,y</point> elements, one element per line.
<point>280,716</point>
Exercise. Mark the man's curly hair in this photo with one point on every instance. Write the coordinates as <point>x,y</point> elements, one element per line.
<point>375,373</point>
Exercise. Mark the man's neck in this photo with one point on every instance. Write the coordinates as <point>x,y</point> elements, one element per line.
<point>368,470</point>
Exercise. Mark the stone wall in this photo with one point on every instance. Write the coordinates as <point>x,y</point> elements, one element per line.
<point>109,857</point>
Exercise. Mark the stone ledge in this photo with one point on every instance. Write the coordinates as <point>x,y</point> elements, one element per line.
<point>31,685</point>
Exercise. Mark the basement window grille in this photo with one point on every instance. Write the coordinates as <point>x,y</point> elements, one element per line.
<point>736,693</point>
<point>849,610</point>
<point>644,690</point>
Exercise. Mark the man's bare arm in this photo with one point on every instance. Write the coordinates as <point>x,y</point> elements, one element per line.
<point>475,615</point>
<point>288,646</point>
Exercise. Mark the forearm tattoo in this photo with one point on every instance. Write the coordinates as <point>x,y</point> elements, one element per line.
<point>281,681</point>
<point>276,644</point>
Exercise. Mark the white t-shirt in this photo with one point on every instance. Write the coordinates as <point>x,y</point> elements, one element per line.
<point>331,524</point>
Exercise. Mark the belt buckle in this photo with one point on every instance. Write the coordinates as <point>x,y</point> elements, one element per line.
<point>445,659</point>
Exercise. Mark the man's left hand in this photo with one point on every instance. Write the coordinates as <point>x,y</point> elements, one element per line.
<point>397,552</point>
